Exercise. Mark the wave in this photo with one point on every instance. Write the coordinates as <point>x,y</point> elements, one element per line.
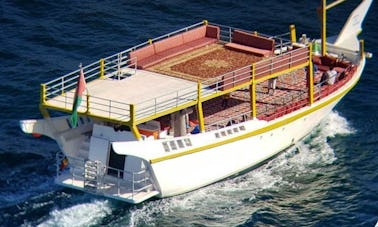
<point>85,214</point>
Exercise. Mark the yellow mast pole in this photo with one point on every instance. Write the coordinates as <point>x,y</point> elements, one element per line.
<point>310,76</point>
<point>252,89</point>
<point>324,26</point>
<point>324,7</point>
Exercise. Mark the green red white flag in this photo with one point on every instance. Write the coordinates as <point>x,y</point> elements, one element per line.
<point>80,88</point>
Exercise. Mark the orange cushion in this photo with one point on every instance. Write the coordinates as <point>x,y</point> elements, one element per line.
<point>168,43</point>
<point>194,34</point>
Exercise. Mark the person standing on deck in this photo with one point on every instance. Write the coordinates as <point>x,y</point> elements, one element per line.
<point>272,83</point>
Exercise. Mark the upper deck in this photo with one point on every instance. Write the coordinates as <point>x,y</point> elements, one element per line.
<point>179,70</point>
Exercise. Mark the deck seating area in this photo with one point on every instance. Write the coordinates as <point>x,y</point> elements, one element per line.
<point>175,45</point>
<point>251,43</point>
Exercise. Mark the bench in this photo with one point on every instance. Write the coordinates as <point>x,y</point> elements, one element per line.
<point>251,43</point>
<point>325,63</point>
<point>164,49</point>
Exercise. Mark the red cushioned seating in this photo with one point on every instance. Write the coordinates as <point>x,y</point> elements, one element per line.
<point>172,46</point>
<point>251,43</point>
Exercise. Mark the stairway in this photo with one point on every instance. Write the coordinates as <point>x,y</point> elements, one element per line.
<point>93,173</point>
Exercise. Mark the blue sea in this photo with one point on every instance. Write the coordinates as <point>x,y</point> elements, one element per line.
<point>329,179</point>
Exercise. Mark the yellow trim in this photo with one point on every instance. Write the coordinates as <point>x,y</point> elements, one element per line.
<point>205,22</point>
<point>293,33</point>
<point>150,41</point>
<point>201,120</point>
<point>47,106</point>
<point>310,80</point>
<point>102,68</point>
<point>258,131</point>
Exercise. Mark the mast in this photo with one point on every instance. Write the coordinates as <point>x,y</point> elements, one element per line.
<point>324,7</point>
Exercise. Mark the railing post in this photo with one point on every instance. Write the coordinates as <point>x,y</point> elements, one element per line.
<point>252,89</point>
<point>293,33</point>
<point>133,127</point>
<point>362,48</point>
<point>201,120</point>
<point>102,68</point>
<point>205,22</point>
<point>88,103</point>
<point>310,76</point>
<point>62,86</point>
<point>43,94</point>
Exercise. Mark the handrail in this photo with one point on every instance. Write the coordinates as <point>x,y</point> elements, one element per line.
<point>114,65</point>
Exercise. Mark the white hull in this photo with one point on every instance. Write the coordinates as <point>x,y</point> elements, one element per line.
<point>189,172</point>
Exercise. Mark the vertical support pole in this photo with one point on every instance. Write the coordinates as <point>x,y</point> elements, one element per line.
<point>102,68</point>
<point>44,111</point>
<point>324,27</point>
<point>88,103</point>
<point>310,77</point>
<point>133,127</point>
<point>43,94</point>
<point>42,102</point>
<point>293,33</point>
<point>201,120</point>
<point>362,48</point>
<point>252,90</point>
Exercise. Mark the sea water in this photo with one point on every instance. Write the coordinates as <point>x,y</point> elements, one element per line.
<point>328,179</point>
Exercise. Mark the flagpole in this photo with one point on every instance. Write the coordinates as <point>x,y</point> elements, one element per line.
<point>80,88</point>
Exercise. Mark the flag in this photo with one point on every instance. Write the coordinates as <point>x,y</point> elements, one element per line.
<point>80,88</point>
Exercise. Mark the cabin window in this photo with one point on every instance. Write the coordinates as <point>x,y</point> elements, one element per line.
<point>180,144</point>
<point>166,147</point>
<point>173,145</point>
<point>229,131</point>
<point>236,130</point>
<point>217,135</point>
<point>242,128</point>
<point>188,142</point>
<point>223,133</point>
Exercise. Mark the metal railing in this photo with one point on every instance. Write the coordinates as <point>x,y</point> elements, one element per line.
<point>231,120</point>
<point>133,183</point>
<point>119,66</point>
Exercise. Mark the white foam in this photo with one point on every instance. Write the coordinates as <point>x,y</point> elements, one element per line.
<point>79,215</point>
<point>226,199</point>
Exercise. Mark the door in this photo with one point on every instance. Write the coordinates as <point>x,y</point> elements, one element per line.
<point>116,163</point>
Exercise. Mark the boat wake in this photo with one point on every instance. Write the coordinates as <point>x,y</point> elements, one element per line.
<point>226,201</point>
<point>85,214</point>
